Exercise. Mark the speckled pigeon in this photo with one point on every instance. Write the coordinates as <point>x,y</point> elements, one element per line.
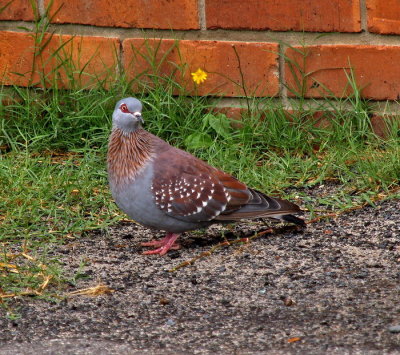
<point>165,188</point>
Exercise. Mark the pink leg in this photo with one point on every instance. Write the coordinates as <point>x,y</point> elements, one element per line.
<point>162,245</point>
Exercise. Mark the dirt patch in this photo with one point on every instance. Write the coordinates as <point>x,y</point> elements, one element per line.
<point>334,288</point>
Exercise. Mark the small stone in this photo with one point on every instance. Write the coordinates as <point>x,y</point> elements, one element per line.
<point>221,269</point>
<point>170,322</point>
<point>287,301</point>
<point>226,302</point>
<point>164,301</point>
<point>394,328</point>
<point>174,254</point>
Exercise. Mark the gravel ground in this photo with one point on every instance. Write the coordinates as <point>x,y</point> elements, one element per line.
<point>334,288</point>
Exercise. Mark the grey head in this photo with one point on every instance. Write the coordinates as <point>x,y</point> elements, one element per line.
<point>127,115</point>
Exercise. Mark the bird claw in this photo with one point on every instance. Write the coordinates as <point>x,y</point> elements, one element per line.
<point>162,246</point>
<point>161,251</point>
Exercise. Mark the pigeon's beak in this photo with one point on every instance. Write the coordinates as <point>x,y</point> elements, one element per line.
<point>139,117</point>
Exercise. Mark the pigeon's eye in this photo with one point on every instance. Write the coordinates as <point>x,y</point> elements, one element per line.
<point>124,108</point>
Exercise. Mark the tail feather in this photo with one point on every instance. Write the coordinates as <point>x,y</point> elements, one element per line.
<point>261,205</point>
<point>293,219</point>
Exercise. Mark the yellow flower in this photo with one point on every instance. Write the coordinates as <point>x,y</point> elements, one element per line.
<point>199,76</point>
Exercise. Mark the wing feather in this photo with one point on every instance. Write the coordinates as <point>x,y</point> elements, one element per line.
<point>187,188</point>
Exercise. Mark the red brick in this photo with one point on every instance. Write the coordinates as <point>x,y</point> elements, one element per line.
<point>259,64</point>
<point>18,10</point>
<point>160,14</point>
<point>285,15</point>
<point>380,123</point>
<point>319,119</point>
<point>16,56</point>
<point>384,16</point>
<point>374,69</point>
<point>235,113</point>
<point>95,55</point>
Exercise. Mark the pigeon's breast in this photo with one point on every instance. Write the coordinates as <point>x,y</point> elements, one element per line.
<point>136,199</point>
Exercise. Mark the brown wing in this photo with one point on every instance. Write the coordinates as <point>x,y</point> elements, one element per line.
<point>189,189</point>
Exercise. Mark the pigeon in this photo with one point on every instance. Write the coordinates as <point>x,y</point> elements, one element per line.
<point>168,189</point>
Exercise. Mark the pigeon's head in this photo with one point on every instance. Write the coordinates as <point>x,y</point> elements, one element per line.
<point>127,114</point>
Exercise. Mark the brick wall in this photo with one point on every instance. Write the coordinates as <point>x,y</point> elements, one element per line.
<point>361,34</point>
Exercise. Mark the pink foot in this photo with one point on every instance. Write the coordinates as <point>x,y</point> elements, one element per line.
<point>162,245</point>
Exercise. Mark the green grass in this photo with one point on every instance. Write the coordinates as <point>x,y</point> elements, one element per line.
<point>53,147</point>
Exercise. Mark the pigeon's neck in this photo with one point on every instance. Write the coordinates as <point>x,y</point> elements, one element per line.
<point>128,153</point>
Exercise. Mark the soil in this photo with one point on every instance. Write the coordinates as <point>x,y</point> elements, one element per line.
<point>333,288</point>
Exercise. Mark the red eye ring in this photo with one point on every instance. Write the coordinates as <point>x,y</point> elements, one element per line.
<point>124,108</point>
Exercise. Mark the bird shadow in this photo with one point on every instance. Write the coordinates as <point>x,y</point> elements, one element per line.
<point>209,239</point>
<point>204,238</point>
